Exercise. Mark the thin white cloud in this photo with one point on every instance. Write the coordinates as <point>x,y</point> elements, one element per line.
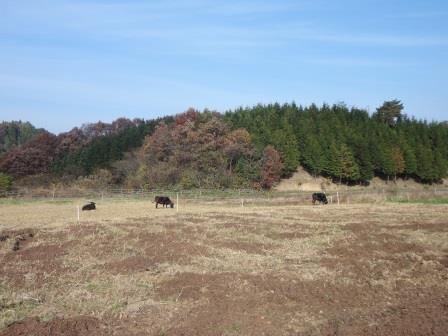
<point>424,14</point>
<point>172,23</point>
<point>379,40</point>
<point>359,62</point>
<point>244,37</point>
<point>126,92</point>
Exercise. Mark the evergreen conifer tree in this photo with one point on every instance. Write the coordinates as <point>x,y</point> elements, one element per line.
<point>349,167</point>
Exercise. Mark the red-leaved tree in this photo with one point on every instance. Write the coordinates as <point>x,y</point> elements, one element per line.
<point>271,167</point>
<point>35,157</point>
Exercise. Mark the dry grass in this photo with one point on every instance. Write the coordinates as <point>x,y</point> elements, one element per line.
<point>115,262</point>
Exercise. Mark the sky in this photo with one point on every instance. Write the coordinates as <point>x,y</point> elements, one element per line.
<point>64,63</point>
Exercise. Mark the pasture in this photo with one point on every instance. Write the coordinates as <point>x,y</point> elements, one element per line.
<point>217,268</point>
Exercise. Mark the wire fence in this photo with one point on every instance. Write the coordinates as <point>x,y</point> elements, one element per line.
<point>241,197</point>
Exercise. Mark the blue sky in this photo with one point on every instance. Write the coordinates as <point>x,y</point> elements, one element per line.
<point>68,62</point>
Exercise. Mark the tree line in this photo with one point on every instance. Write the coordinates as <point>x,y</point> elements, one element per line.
<point>16,133</point>
<point>347,144</point>
<point>78,152</point>
<point>247,147</point>
<point>200,150</point>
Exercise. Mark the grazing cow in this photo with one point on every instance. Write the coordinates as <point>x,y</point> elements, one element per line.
<point>89,206</point>
<point>165,201</point>
<point>319,197</point>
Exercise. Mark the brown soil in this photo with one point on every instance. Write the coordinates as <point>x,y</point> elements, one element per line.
<point>347,271</point>
<point>429,227</point>
<point>248,247</point>
<point>16,239</point>
<point>43,262</point>
<point>157,248</point>
<point>287,235</point>
<point>268,305</point>
<point>75,326</point>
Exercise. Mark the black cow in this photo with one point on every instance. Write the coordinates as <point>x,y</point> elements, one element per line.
<point>89,206</point>
<point>319,197</point>
<point>165,201</point>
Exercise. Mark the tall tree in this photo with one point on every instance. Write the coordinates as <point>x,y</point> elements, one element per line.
<point>390,112</point>
<point>237,145</point>
<point>333,165</point>
<point>35,157</point>
<point>425,168</point>
<point>363,157</point>
<point>349,167</point>
<point>313,155</point>
<point>286,143</point>
<point>16,133</point>
<point>398,161</point>
<point>271,167</point>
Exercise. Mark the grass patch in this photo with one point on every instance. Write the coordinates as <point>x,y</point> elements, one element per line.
<point>23,201</point>
<point>14,307</point>
<point>419,200</point>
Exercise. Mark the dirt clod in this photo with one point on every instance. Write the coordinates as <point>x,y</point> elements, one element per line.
<point>74,326</point>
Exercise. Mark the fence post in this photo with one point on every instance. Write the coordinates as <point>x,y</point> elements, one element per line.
<point>242,203</point>
<point>177,202</point>
<point>78,213</point>
<point>337,196</point>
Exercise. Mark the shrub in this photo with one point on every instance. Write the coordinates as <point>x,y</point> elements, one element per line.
<point>5,182</point>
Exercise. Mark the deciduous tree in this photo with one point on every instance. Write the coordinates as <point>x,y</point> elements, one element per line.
<point>271,167</point>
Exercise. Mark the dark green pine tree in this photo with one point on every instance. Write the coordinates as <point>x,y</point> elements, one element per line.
<point>410,160</point>
<point>349,167</point>
<point>440,166</point>
<point>313,155</point>
<point>386,161</point>
<point>364,159</point>
<point>390,112</point>
<point>333,164</point>
<point>286,143</point>
<point>425,169</point>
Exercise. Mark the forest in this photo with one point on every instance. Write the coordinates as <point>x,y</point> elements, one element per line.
<point>251,147</point>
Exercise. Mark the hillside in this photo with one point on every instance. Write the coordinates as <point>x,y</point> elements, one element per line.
<point>301,180</point>
<point>253,147</point>
<point>77,152</point>
<point>16,133</point>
